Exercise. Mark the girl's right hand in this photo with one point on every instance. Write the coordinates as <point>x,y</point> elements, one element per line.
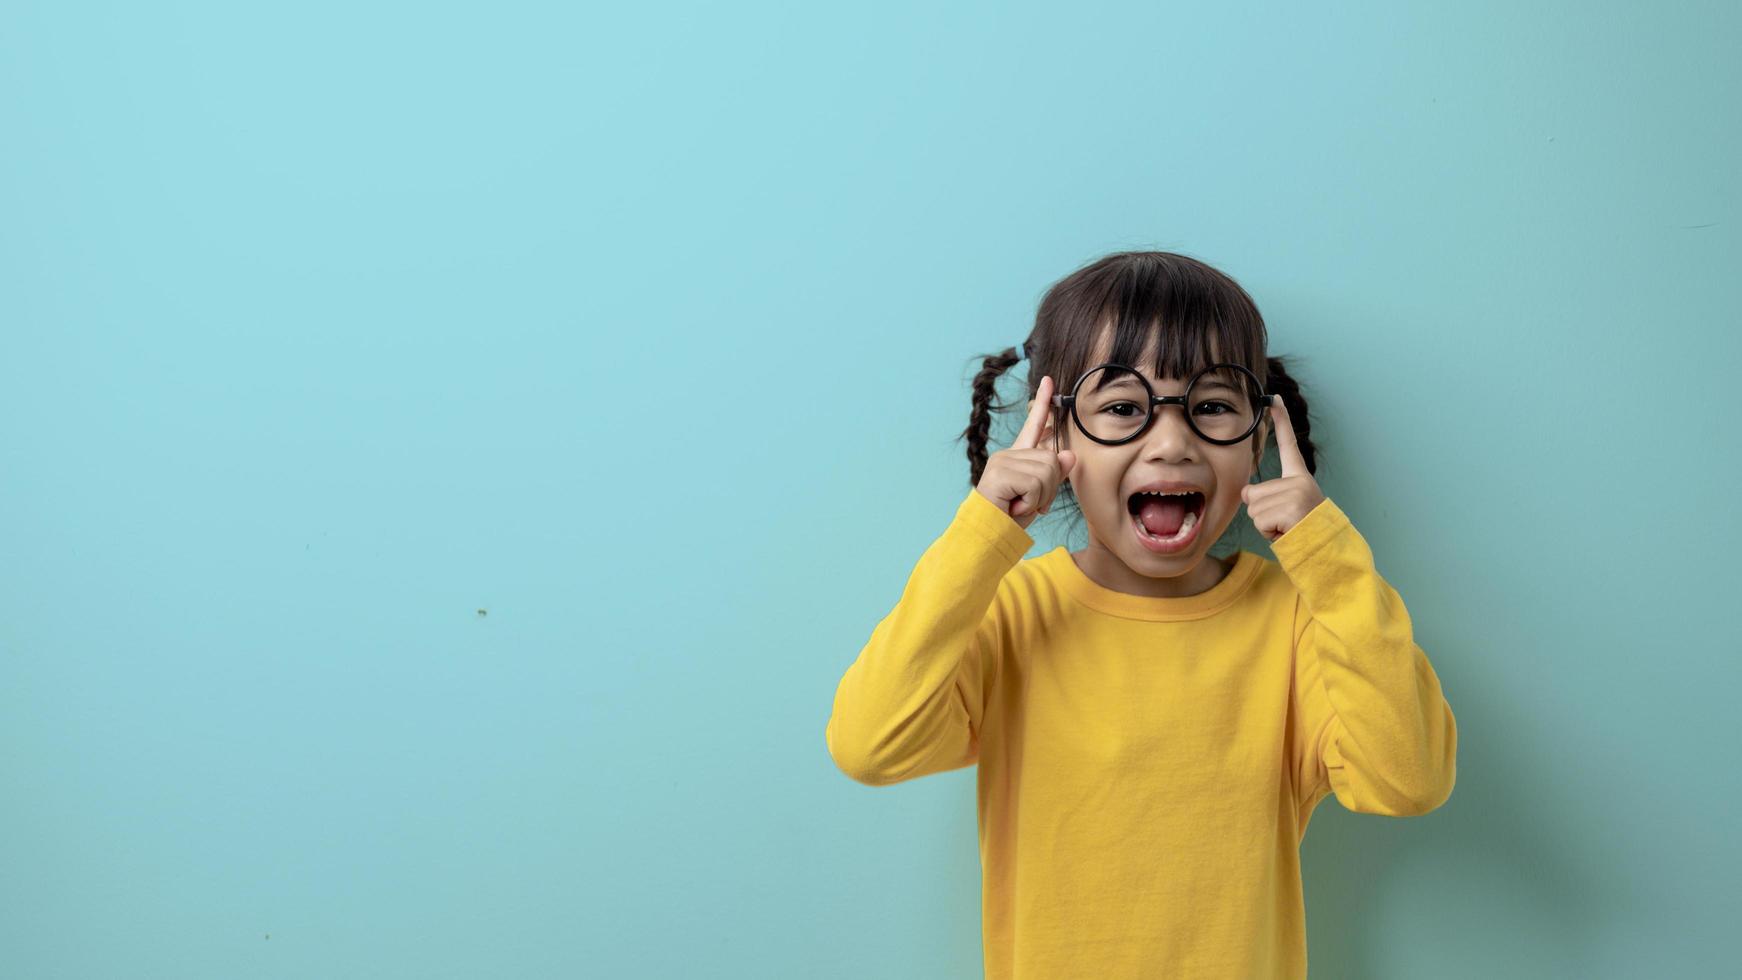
<point>1023,479</point>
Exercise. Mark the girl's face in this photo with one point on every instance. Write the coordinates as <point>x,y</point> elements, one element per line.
<point>1105,477</point>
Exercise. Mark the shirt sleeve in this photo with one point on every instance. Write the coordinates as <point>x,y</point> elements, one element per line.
<point>1372,724</point>
<point>911,704</point>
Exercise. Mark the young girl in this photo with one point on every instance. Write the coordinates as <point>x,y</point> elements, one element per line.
<point>1153,725</point>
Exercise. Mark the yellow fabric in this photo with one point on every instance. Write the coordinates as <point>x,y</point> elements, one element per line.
<point>1147,766</point>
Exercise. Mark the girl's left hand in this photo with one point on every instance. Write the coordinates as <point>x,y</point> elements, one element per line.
<point>1277,505</point>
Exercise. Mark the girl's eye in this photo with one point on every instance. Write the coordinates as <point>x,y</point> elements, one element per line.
<point>1226,408</point>
<point>1110,408</point>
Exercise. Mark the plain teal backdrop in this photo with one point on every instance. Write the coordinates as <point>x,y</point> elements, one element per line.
<point>449,454</point>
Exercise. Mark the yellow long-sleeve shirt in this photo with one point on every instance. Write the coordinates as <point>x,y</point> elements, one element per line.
<point>1147,766</point>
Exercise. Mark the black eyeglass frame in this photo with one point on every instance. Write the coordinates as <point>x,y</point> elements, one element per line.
<point>1259,403</point>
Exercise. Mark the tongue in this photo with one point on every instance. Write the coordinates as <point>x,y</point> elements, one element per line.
<point>1162,517</point>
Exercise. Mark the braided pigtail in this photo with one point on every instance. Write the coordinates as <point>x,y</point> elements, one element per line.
<point>979,428</point>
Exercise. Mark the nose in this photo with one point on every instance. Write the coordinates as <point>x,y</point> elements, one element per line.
<point>1169,437</point>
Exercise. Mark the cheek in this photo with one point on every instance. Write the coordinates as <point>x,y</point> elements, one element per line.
<point>1230,481</point>
<point>1095,477</point>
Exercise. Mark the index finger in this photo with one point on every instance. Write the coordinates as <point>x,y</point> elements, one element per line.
<point>1286,448</point>
<point>1029,437</point>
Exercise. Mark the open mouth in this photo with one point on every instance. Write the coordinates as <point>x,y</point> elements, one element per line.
<point>1166,521</point>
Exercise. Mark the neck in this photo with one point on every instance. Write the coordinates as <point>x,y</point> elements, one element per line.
<point>1171,578</point>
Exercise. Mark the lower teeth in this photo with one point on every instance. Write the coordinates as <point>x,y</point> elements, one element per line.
<point>1185,528</point>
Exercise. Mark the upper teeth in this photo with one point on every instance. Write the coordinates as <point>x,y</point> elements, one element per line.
<point>1168,493</point>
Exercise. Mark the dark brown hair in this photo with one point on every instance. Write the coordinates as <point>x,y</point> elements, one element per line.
<point>1202,317</point>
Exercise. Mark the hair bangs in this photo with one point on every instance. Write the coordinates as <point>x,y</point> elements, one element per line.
<point>1166,312</point>
<point>1176,319</point>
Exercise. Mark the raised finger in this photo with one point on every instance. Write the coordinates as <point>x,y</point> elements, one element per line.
<point>1029,437</point>
<point>1287,449</point>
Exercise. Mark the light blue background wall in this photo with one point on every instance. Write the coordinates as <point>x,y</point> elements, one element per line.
<point>449,454</point>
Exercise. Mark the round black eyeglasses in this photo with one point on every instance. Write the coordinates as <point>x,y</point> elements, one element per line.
<point>1223,404</point>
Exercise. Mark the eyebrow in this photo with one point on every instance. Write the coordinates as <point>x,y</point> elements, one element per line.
<point>1219,383</point>
<point>1210,382</point>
